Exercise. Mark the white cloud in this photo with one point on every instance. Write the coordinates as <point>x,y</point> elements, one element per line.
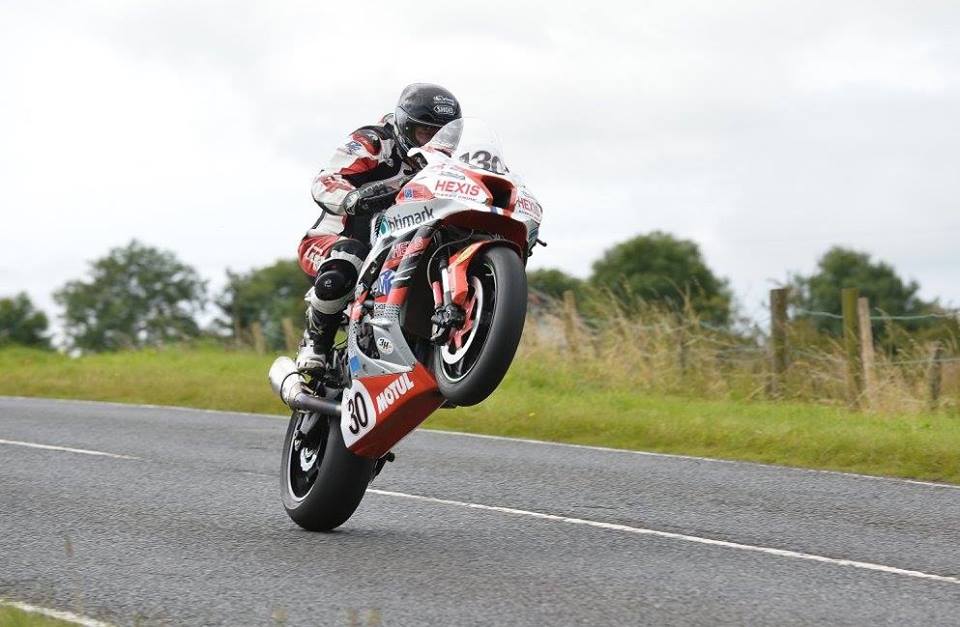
<point>766,131</point>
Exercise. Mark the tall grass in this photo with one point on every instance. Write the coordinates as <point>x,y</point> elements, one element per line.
<point>655,350</point>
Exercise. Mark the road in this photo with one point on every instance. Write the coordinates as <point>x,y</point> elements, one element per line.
<point>182,524</point>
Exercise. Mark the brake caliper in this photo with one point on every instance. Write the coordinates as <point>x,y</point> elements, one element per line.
<point>446,318</point>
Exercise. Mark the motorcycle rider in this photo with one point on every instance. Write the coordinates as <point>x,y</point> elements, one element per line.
<point>361,179</point>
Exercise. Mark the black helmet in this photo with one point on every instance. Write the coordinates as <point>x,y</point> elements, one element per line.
<point>423,108</point>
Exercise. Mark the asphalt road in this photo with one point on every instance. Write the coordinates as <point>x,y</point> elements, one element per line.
<point>184,526</point>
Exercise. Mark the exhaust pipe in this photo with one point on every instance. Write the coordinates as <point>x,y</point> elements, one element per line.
<point>285,381</point>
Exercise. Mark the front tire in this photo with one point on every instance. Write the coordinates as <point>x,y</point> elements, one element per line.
<point>468,374</point>
<point>322,487</point>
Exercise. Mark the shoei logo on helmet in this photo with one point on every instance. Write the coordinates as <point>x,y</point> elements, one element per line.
<point>444,109</point>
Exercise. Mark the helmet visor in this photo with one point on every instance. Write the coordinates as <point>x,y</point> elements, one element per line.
<point>414,132</point>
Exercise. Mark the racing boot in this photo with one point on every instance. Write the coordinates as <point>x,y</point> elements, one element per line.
<point>317,342</point>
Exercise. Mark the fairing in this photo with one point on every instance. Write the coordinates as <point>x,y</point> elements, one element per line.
<point>478,194</point>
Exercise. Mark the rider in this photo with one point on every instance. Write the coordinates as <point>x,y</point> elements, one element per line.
<point>361,179</point>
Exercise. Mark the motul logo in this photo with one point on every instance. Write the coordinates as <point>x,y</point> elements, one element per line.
<point>453,187</point>
<point>400,386</point>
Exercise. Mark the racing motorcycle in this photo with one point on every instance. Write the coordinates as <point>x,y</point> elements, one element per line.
<point>435,322</point>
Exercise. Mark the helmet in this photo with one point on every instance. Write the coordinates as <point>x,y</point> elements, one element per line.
<point>421,111</point>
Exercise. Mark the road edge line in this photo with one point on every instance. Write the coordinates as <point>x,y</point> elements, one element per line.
<point>68,449</point>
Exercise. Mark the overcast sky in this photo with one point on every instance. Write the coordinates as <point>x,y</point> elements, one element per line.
<point>766,131</point>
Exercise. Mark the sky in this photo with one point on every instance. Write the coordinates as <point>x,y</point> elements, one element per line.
<point>765,131</point>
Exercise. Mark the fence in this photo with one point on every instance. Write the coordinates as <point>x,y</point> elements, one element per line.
<point>786,358</point>
<point>859,346</point>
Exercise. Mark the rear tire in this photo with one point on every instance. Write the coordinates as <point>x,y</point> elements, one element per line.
<point>499,274</point>
<point>337,486</point>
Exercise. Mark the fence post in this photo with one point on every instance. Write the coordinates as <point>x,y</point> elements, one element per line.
<point>237,333</point>
<point>851,344</point>
<point>866,351</point>
<point>290,334</point>
<point>259,342</point>
<point>683,347</point>
<point>778,339</point>
<point>935,374</point>
<point>570,331</point>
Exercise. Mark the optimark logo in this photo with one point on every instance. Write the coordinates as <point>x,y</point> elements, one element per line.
<point>392,224</point>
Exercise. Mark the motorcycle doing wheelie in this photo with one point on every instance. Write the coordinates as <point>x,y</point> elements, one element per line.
<point>435,322</point>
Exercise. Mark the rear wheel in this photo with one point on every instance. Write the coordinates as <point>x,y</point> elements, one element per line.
<point>470,366</point>
<point>322,483</point>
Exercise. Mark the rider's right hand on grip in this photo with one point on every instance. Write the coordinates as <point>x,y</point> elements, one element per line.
<point>369,198</point>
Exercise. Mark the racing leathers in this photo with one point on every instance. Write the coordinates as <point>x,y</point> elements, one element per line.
<point>360,180</point>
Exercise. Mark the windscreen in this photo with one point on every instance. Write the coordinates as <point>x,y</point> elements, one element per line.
<point>471,141</point>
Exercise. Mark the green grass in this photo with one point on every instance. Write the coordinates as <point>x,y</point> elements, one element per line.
<point>12,617</point>
<point>538,400</point>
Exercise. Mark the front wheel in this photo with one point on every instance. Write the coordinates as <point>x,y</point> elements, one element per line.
<point>322,482</point>
<point>470,366</point>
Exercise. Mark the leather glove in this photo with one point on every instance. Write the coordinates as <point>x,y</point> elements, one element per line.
<point>369,198</point>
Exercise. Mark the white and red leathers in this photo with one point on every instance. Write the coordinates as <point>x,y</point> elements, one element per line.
<point>334,248</point>
<point>371,154</point>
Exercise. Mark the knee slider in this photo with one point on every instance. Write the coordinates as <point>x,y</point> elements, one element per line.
<point>334,281</point>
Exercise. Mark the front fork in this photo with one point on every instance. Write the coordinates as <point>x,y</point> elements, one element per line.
<point>447,315</point>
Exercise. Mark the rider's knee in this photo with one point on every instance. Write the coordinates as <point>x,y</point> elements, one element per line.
<point>337,276</point>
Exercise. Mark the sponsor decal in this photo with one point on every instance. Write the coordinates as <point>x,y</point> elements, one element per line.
<point>333,182</point>
<point>385,346</point>
<point>447,100</point>
<point>388,225</point>
<point>352,147</point>
<point>394,392</point>
<point>368,140</point>
<point>453,187</point>
<point>444,109</point>
<point>527,205</point>
<point>453,173</point>
<point>354,364</point>
<point>415,245</point>
<point>413,192</point>
<point>384,282</point>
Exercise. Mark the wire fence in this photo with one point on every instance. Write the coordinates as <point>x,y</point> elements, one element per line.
<point>950,315</point>
<point>673,351</point>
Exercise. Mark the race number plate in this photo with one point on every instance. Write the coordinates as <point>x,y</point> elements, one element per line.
<point>357,413</point>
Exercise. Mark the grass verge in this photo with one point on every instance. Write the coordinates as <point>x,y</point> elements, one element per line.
<point>537,400</point>
<point>13,617</point>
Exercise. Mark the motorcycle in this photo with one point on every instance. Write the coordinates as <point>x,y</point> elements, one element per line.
<point>435,322</point>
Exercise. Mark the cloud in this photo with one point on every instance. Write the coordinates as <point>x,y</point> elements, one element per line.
<point>765,131</point>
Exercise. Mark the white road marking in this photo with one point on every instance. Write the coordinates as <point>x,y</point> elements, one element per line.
<point>66,449</point>
<point>678,536</point>
<point>712,460</point>
<point>69,617</point>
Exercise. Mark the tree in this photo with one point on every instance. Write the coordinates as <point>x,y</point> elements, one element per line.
<point>842,267</point>
<point>660,268</point>
<point>21,323</point>
<point>136,296</point>
<point>266,295</point>
<point>553,283</point>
